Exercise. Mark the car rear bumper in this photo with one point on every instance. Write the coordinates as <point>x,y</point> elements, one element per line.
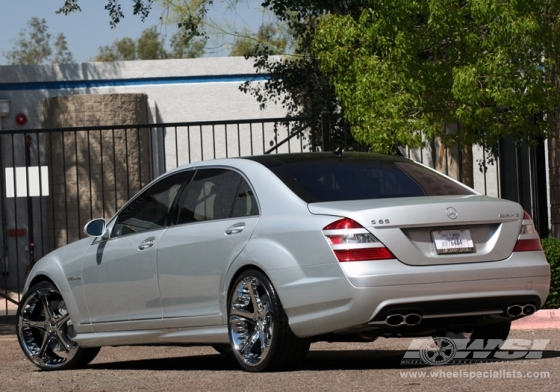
<point>340,297</point>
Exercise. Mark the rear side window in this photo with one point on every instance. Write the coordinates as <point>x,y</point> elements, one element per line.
<point>216,194</point>
<point>245,203</point>
<point>359,176</point>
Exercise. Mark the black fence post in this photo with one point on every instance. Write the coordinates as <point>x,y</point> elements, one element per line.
<point>326,128</point>
<point>540,188</point>
<point>523,179</point>
<point>313,133</point>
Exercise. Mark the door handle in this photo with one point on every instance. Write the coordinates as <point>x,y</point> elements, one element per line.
<point>147,243</point>
<point>236,228</point>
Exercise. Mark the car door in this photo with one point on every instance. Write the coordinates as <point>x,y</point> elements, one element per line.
<point>120,273</point>
<point>217,213</point>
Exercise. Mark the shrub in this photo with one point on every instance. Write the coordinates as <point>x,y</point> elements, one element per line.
<point>551,247</point>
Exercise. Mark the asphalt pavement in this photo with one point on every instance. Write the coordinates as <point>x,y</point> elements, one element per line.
<point>328,367</point>
<point>376,366</point>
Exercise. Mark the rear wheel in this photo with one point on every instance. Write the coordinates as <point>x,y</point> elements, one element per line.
<point>46,333</point>
<point>260,336</point>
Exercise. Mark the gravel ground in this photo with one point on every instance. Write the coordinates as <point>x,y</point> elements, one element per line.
<point>328,367</point>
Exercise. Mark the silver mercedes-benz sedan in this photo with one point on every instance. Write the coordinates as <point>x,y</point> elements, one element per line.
<point>261,256</point>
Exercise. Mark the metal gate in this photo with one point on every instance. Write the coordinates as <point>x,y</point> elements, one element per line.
<point>55,180</point>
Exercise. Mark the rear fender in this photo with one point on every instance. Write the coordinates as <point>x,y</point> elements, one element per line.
<point>296,284</point>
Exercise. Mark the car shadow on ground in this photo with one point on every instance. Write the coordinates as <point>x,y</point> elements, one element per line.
<point>314,361</point>
<point>7,325</point>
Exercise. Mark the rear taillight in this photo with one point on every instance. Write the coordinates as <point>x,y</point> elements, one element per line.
<point>525,245</point>
<point>350,241</point>
<point>528,239</point>
<point>363,254</point>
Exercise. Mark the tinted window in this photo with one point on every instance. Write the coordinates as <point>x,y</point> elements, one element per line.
<point>323,177</point>
<point>245,203</point>
<point>216,194</point>
<point>150,209</point>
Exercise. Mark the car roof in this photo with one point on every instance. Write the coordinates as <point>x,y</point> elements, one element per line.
<point>321,157</point>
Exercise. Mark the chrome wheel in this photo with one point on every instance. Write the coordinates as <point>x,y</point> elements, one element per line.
<point>260,336</point>
<point>251,321</point>
<point>46,332</point>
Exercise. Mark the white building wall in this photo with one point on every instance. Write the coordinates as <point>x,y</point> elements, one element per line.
<point>184,90</point>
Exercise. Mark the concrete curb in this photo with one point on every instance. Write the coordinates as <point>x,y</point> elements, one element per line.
<point>543,319</point>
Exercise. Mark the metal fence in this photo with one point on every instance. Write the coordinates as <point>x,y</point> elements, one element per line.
<point>485,168</point>
<point>191,142</point>
<point>55,180</point>
<point>511,171</point>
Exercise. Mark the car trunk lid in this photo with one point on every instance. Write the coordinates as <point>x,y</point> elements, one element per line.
<point>436,229</point>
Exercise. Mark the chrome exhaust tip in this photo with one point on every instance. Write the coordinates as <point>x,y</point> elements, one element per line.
<point>521,310</point>
<point>514,310</point>
<point>396,320</point>
<point>412,319</point>
<point>529,310</point>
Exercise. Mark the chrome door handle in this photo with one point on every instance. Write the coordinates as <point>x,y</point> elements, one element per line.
<point>236,228</point>
<point>147,243</point>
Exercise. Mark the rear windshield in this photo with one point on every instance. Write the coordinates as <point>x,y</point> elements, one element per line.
<point>322,177</point>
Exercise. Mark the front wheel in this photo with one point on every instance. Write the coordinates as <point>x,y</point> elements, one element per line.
<point>46,333</point>
<point>258,326</point>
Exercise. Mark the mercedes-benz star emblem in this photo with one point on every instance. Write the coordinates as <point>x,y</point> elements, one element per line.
<point>451,213</point>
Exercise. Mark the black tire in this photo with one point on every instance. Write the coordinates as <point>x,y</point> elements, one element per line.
<point>46,333</point>
<point>260,336</point>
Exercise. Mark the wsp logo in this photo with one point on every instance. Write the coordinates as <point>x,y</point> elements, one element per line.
<point>443,350</point>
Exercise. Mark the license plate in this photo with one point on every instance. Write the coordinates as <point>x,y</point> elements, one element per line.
<point>453,241</point>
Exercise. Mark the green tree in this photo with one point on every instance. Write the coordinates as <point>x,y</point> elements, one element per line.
<point>150,45</point>
<point>140,7</point>
<point>62,54</point>
<point>186,47</point>
<point>296,81</point>
<point>36,47</point>
<point>121,50</point>
<point>269,38</point>
<point>401,67</point>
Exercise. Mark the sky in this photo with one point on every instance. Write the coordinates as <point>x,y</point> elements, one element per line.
<point>86,31</point>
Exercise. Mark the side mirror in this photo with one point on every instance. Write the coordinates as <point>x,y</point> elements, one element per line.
<point>95,228</point>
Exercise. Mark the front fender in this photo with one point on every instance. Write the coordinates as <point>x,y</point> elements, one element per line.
<point>63,267</point>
